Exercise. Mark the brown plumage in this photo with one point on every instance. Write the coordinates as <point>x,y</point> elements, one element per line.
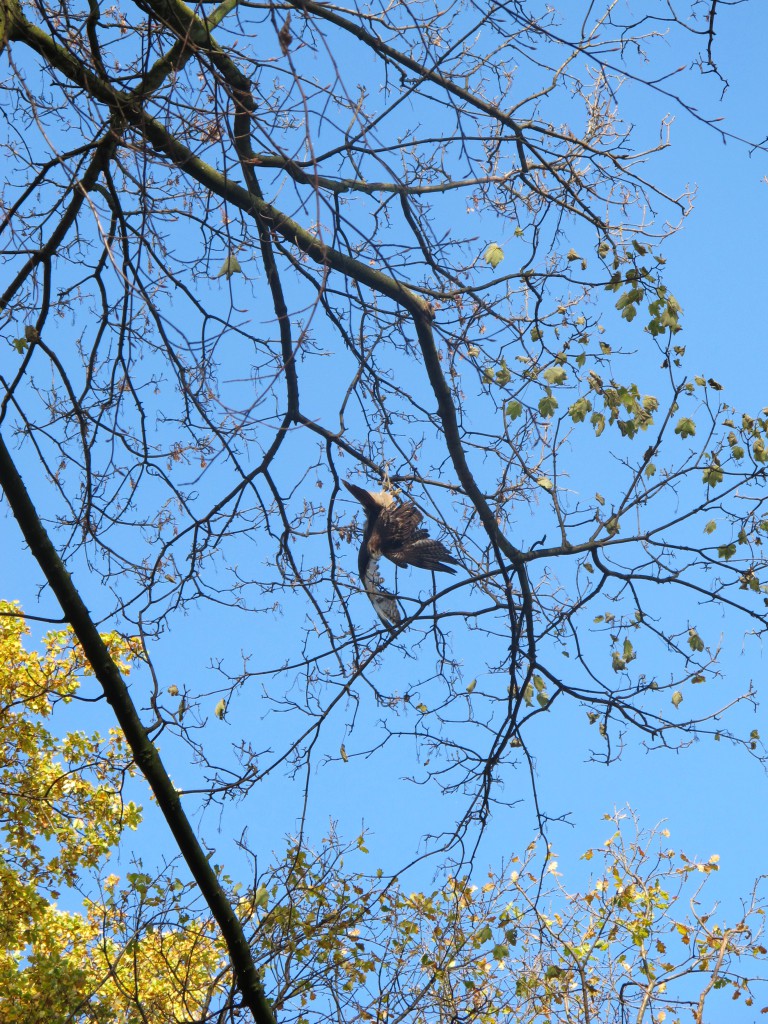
<point>394,531</point>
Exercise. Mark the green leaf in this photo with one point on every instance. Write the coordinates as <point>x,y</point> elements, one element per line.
<point>685,427</point>
<point>554,375</point>
<point>494,254</point>
<point>629,313</point>
<point>503,376</point>
<point>31,336</point>
<point>694,640</point>
<point>230,266</point>
<point>580,409</point>
<point>612,527</point>
<point>514,409</point>
<point>547,405</point>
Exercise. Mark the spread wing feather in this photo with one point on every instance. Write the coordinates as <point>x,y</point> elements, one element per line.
<point>403,543</point>
<point>425,553</point>
<point>399,523</point>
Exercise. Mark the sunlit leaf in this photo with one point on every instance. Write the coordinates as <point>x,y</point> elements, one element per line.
<point>494,254</point>
<point>547,406</point>
<point>694,641</point>
<point>230,266</point>
<point>514,409</point>
<point>685,427</point>
<point>554,375</point>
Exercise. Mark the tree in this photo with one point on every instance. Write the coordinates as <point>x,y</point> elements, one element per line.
<point>326,936</point>
<point>253,250</point>
<point>328,939</point>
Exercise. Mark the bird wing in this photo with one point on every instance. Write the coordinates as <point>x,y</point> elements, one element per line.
<point>404,543</point>
<point>426,553</point>
<point>399,524</point>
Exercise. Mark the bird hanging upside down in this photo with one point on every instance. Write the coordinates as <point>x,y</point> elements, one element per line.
<point>394,531</point>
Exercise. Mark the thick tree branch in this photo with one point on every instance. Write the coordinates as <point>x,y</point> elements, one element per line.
<point>144,751</point>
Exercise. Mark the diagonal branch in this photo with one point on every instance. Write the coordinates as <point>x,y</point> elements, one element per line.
<point>144,751</point>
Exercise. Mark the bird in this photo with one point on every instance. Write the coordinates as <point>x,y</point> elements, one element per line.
<point>394,531</point>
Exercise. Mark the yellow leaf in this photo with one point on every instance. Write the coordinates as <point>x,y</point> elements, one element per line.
<point>494,254</point>
<point>229,267</point>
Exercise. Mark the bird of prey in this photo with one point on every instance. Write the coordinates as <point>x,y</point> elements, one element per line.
<point>394,531</point>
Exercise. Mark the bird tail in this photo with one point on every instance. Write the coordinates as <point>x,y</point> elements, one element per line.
<point>384,603</point>
<point>386,607</point>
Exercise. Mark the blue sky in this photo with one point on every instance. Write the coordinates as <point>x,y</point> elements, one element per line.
<point>711,794</point>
